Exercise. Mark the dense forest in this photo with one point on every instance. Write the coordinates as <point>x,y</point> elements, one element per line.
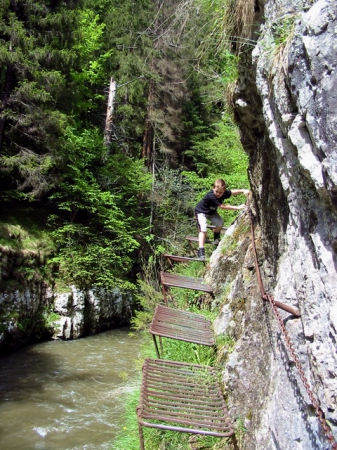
<point>115,118</point>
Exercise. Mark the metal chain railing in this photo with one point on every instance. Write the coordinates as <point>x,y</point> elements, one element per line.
<point>273,303</point>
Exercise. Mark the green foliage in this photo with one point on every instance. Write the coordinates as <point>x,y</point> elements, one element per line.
<point>53,140</point>
<point>186,352</point>
<point>222,156</point>
<point>24,229</point>
<point>35,47</point>
<point>148,298</point>
<point>87,258</point>
<point>52,317</point>
<point>283,29</point>
<point>56,61</point>
<point>197,117</point>
<point>94,227</point>
<point>215,51</point>
<point>171,198</point>
<point>90,69</point>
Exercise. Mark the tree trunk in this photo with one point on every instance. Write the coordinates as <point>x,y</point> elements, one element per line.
<point>110,111</point>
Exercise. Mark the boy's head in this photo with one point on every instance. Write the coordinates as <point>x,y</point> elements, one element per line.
<point>219,187</point>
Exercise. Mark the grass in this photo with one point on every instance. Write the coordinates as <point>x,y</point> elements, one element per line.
<point>276,44</point>
<point>128,436</point>
<point>25,229</point>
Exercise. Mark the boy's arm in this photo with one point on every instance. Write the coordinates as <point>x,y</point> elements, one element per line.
<point>236,208</point>
<point>240,191</point>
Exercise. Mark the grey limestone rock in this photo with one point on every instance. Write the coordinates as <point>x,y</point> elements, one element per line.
<point>287,113</point>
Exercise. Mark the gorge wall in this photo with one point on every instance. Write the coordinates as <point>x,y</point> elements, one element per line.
<point>33,309</point>
<point>286,107</point>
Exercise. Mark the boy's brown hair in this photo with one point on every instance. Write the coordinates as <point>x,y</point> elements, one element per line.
<point>219,185</point>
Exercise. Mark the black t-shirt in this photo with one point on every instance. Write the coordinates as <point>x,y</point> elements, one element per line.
<point>209,204</point>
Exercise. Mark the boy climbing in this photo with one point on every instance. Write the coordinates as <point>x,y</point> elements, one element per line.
<point>206,209</point>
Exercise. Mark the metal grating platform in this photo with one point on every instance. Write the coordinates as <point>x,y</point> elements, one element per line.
<point>182,397</point>
<point>170,279</point>
<point>181,325</point>
<point>198,284</point>
<point>178,258</point>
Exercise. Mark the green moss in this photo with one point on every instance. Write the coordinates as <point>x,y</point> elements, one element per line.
<point>25,229</point>
<point>225,292</point>
<point>240,430</point>
<point>241,230</point>
<point>237,305</point>
<point>230,243</point>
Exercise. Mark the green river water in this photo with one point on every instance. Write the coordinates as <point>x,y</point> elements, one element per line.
<point>67,395</point>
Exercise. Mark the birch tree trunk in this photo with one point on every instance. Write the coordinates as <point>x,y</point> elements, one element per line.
<point>110,111</point>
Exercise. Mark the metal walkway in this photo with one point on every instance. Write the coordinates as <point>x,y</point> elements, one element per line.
<point>182,258</point>
<point>180,325</point>
<point>171,279</point>
<point>182,397</point>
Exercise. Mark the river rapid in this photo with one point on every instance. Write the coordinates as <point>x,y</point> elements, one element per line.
<point>67,395</point>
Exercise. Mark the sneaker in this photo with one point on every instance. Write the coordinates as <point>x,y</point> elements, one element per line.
<point>216,238</point>
<point>201,253</point>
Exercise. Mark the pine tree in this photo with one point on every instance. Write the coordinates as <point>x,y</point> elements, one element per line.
<point>35,58</point>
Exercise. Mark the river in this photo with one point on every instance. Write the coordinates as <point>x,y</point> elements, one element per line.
<point>67,395</point>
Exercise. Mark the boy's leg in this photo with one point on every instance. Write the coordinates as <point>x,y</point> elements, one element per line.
<point>202,224</point>
<point>202,239</point>
<point>217,221</point>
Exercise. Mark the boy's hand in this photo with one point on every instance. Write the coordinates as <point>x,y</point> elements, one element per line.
<point>245,191</point>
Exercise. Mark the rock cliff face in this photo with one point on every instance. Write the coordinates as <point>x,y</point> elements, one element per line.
<point>32,310</point>
<point>286,107</point>
<point>84,313</point>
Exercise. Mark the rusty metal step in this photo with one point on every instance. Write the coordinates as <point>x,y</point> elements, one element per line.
<point>182,397</point>
<point>181,325</point>
<point>173,280</point>
<point>178,258</point>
